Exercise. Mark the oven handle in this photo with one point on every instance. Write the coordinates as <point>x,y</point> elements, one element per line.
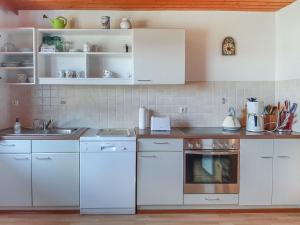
<point>232,152</point>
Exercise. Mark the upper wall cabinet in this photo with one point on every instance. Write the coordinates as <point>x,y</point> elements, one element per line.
<point>111,57</point>
<point>17,56</point>
<point>159,56</point>
<point>85,56</point>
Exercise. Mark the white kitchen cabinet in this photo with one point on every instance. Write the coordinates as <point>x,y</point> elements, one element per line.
<point>55,179</point>
<point>15,180</point>
<point>159,56</point>
<point>160,174</point>
<point>286,167</point>
<point>256,172</point>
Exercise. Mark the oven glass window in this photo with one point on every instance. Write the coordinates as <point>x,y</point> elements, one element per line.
<point>211,169</point>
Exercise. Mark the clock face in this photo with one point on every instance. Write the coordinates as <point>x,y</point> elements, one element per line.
<point>228,47</point>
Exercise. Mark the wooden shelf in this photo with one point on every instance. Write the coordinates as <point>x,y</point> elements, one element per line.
<point>16,53</point>
<point>86,53</point>
<point>62,53</point>
<point>85,81</point>
<point>16,68</point>
<point>85,32</point>
<point>111,53</point>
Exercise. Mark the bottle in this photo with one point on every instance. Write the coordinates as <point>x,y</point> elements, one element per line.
<point>17,126</point>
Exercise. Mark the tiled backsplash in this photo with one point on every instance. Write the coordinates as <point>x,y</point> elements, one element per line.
<point>117,106</point>
<point>4,106</point>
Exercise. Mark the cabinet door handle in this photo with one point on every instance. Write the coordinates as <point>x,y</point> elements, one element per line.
<point>7,145</point>
<point>149,156</point>
<point>212,199</point>
<point>161,143</point>
<point>283,156</point>
<point>266,157</point>
<point>144,80</point>
<point>43,158</point>
<point>16,158</point>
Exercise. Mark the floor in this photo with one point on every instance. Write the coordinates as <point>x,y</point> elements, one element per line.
<point>172,219</point>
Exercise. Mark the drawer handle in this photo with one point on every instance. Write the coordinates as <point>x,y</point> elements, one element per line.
<point>7,145</point>
<point>212,199</point>
<point>266,157</point>
<point>21,158</point>
<point>161,143</point>
<point>43,158</point>
<point>144,80</point>
<point>283,156</point>
<point>149,156</point>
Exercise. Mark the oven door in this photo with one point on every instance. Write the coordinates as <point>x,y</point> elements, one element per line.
<point>211,172</point>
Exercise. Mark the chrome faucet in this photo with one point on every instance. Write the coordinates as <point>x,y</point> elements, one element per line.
<point>42,124</point>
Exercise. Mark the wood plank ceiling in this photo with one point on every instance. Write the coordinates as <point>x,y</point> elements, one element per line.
<point>226,5</point>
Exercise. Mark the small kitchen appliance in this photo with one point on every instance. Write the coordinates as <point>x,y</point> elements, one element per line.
<point>255,116</point>
<point>160,123</point>
<point>231,122</point>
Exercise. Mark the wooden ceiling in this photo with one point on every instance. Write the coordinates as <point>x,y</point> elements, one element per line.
<point>226,5</point>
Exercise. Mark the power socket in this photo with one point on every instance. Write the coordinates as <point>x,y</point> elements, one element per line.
<point>183,110</point>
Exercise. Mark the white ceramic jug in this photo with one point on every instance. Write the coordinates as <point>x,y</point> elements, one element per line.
<point>126,23</point>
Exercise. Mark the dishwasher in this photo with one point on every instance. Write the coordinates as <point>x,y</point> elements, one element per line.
<point>107,173</point>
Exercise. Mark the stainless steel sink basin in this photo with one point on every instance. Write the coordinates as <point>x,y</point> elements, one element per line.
<point>33,132</point>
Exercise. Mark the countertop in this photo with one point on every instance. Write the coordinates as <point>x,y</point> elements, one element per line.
<point>75,136</point>
<point>212,132</point>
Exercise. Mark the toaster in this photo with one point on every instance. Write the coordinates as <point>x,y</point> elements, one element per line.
<point>160,123</point>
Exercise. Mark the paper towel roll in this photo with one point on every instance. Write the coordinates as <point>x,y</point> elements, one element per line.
<point>142,118</point>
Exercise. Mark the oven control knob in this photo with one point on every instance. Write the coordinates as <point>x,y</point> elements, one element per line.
<point>190,146</point>
<point>198,145</point>
<point>213,146</point>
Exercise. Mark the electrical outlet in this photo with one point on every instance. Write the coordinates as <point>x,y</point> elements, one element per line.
<point>15,102</point>
<point>183,110</point>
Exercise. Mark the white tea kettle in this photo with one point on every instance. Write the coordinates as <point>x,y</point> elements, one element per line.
<point>231,122</point>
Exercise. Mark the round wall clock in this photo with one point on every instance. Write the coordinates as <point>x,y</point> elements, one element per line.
<point>228,46</point>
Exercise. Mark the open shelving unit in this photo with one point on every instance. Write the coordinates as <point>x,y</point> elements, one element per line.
<point>13,42</point>
<point>108,54</point>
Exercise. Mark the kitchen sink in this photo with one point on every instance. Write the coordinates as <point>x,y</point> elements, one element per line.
<point>34,132</point>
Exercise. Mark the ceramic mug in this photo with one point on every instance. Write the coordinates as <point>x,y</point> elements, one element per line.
<point>69,73</point>
<point>105,22</point>
<point>87,47</point>
<point>107,74</point>
<point>62,74</point>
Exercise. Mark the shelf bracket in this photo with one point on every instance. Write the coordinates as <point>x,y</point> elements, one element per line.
<point>9,5</point>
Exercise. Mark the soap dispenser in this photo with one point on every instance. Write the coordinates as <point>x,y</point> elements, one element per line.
<point>17,126</point>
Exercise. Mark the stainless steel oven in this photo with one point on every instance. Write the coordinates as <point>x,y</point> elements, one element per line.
<point>211,166</point>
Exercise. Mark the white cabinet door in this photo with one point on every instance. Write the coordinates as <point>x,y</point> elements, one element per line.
<point>108,180</point>
<point>55,179</point>
<point>159,56</point>
<point>256,172</point>
<point>160,178</point>
<point>286,168</point>
<point>15,180</point>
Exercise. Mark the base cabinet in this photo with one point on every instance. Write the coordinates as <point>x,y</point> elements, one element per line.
<point>160,173</point>
<point>15,177</point>
<point>55,179</point>
<point>270,172</point>
<point>286,166</point>
<point>256,164</point>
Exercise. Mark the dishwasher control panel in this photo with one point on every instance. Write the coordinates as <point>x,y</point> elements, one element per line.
<point>107,146</point>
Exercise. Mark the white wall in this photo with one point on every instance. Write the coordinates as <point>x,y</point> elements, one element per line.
<point>288,42</point>
<point>4,107</point>
<point>254,34</point>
